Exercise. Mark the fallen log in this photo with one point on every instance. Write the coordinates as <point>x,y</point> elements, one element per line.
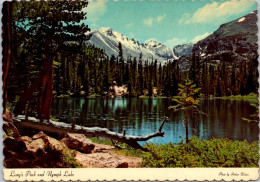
<point>61,128</point>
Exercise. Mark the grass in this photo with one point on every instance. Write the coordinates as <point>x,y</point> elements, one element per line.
<point>101,140</point>
<point>69,161</point>
<point>128,151</point>
<point>55,119</point>
<point>251,96</point>
<point>9,132</point>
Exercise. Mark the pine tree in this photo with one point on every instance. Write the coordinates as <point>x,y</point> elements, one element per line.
<point>121,63</point>
<point>140,76</point>
<point>174,85</point>
<point>186,100</point>
<point>193,72</point>
<point>233,80</point>
<point>48,31</point>
<point>126,74</point>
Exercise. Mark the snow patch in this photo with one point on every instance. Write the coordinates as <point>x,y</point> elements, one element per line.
<point>104,42</point>
<point>241,19</point>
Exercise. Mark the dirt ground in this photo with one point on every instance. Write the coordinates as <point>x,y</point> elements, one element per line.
<point>104,156</point>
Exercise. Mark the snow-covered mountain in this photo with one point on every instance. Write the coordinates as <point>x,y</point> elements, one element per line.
<point>107,39</point>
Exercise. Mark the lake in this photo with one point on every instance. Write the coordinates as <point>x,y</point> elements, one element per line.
<point>142,116</point>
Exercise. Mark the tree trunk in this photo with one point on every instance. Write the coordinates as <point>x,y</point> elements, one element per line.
<point>35,85</point>
<point>46,93</point>
<point>7,28</point>
<point>63,128</point>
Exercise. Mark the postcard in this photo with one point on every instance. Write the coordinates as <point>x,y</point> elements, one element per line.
<point>130,90</point>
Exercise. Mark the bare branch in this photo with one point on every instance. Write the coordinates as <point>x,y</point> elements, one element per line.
<point>115,143</point>
<point>160,129</point>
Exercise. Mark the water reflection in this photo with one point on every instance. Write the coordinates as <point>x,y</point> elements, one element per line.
<point>143,116</point>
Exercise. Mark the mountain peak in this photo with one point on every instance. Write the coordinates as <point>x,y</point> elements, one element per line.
<point>107,39</point>
<point>106,30</point>
<point>234,41</point>
<point>152,43</point>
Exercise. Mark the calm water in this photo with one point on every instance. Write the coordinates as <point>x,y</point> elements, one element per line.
<point>143,116</point>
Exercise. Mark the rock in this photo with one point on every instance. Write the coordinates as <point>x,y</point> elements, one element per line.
<point>26,139</point>
<point>118,91</point>
<point>16,145</point>
<point>122,165</point>
<point>100,160</point>
<point>40,151</point>
<point>39,135</point>
<point>7,116</point>
<point>10,129</point>
<point>8,125</point>
<point>103,147</point>
<point>78,142</point>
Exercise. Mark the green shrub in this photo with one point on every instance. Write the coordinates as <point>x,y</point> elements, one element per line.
<point>69,160</point>
<point>203,153</point>
<point>127,150</point>
<point>101,140</point>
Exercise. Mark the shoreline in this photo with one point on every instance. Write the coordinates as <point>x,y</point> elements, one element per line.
<point>232,97</point>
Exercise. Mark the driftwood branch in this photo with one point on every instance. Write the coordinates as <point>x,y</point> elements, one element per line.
<point>63,128</point>
<point>115,143</point>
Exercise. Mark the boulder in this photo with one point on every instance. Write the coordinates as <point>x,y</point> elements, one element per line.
<point>40,151</point>
<point>100,160</point>
<point>122,165</point>
<point>78,142</point>
<point>7,116</point>
<point>10,129</point>
<point>8,126</point>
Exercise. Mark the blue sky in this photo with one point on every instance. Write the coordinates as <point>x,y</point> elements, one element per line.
<point>170,22</point>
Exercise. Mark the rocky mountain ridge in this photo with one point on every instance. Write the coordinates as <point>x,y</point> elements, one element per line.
<point>108,39</point>
<point>183,50</point>
<point>232,42</point>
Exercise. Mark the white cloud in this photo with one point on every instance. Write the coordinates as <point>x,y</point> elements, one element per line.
<point>148,21</point>
<point>175,41</point>
<point>217,11</point>
<point>160,18</point>
<point>200,37</point>
<point>129,25</point>
<point>184,18</point>
<point>95,10</point>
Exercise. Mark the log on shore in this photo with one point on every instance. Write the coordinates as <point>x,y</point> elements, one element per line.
<point>61,128</point>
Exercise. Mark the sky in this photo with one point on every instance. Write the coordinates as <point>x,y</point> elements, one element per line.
<point>171,22</point>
